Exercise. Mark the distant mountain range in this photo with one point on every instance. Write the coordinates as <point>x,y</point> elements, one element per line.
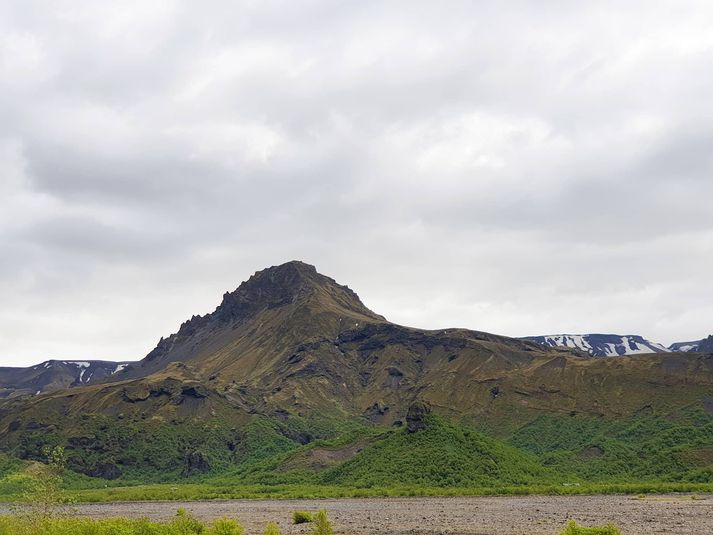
<point>55,375</point>
<point>612,345</point>
<point>292,357</point>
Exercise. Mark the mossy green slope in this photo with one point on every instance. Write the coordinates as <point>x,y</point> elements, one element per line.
<point>674,447</point>
<point>441,455</point>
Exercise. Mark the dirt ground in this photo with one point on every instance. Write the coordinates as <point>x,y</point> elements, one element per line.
<point>528,515</point>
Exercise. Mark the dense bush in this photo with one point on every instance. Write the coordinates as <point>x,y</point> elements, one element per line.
<point>443,455</point>
<point>301,517</point>
<point>322,525</point>
<point>643,448</point>
<point>573,529</point>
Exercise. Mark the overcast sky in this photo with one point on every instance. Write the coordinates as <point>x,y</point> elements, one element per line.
<point>514,167</point>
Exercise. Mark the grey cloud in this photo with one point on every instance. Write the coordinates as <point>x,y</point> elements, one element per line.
<point>524,169</point>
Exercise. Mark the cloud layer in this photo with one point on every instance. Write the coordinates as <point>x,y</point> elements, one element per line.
<point>520,168</point>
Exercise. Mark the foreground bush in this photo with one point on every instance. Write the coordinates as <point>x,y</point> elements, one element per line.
<point>182,524</point>
<point>322,526</point>
<point>301,517</point>
<point>573,529</point>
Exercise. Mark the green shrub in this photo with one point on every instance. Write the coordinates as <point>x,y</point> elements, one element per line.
<point>271,529</point>
<point>225,526</point>
<point>185,524</point>
<point>322,526</point>
<point>301,517</point>
<point>13,525</point>
<point>573,529</point>
<point>182,524</point>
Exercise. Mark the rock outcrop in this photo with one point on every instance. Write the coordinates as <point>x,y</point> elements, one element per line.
<point>416,416</point>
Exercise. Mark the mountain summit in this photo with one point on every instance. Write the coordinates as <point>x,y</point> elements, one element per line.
<point>291,299</point>
<point>286,284</point>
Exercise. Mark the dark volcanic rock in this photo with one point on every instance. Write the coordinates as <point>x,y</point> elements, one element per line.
<point>136,393</point>
<point>377,411</point>
<point>167,387</point>
<point>87,442</point>
<point>416,416</point>
<point>195,390</point>
<point>106,470</point>
<point>194,462</point>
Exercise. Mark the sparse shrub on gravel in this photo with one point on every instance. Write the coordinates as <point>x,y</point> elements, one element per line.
<point>181,524</point>
<point>271,529</point>
<point>226,526</point>
<point>184,523</point>
<point>573,529</point>
<point>322,525</point>
<point>301,517</point>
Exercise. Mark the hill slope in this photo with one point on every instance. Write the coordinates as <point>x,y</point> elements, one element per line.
<point>291,356</point>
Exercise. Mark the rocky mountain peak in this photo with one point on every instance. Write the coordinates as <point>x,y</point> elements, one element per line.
<point>282,285</point>
<point>270,288</point>
<point>294,284</point>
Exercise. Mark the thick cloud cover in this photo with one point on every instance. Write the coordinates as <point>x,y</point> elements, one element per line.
<point>516,167</point>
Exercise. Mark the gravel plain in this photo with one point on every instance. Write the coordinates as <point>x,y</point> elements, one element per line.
<point>526,515</point>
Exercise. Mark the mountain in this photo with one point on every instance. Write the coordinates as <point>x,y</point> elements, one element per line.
<point>291,357</point>
<point>275,311</point>
<point>703,346</point>
<point>609,345</point>
<point>602,345</point>
<point>55,375</point>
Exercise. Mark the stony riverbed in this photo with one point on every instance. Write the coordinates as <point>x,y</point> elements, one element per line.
<point>527,515</point>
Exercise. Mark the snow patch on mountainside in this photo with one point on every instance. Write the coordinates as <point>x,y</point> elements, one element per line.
<point>602,345</point>
<point>685,347</point>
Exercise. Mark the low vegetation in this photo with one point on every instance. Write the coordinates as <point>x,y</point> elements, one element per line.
<point>322,525</point>
<point>271,529</point>
<point>676,447</point>
<point>573,529</point>
<point>45,509</point>
<point>301,517</point>
<point>550,455</point>
<point>182,524</point>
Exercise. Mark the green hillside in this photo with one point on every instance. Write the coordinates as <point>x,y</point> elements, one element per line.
<point>442,455</point>
<point>675,447</point>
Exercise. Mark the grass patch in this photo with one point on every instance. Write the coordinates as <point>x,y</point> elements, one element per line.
<point>573,529</point>
<point>301,517</point>
<point>322,525</point>
<point>182,524</point>
<point>187,492</point>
